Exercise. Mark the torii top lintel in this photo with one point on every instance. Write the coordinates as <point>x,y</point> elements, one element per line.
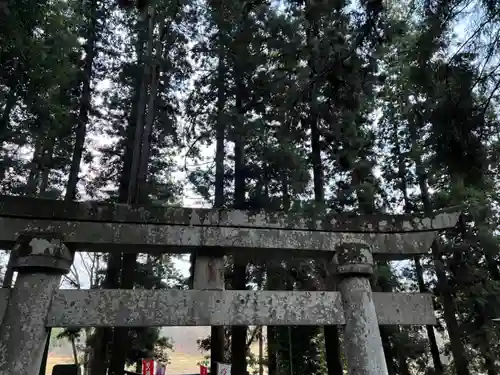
<point>95,211</point>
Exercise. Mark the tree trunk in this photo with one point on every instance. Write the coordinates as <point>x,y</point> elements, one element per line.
<point>332,340</point>
<point>402,173</point>
<point>261,350</point>
<point>9,106</point>
<point>274,282</point>
<point>9,273</point>
<point>46,165</point>
<point>141,112</point>
<point>403,365</point>
<point>88,351</point>
<point>43,364</point>
<point>486,349</point>
<point>76,159</point>
<point>385,335</point>
<point>140,151</point>
<point>457,348</point>
<point>436,359</point>
<point>382,285</point>
<point>75,352</point>
<point>103,336</point>
<point>155,72</point>
<point>239,333</point>
<point>331,334</point>
<point>272,364</point>
<point>5,120</point>
<point>34,175</point>
<point>85,100</point>
<point>217,336</point>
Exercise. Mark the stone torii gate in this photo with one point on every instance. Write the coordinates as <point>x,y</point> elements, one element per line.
<point>44,235</point>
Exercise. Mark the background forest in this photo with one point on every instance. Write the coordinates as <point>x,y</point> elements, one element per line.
<point>345,106</point>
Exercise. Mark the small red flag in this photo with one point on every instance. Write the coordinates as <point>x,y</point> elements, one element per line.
<point>148,366</point>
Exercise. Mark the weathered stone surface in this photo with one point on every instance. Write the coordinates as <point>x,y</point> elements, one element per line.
<point>353,258</point>
<point>22,333</point>
<point>187,308</point>
<point>42,250</point>
<point>401,308</point>
<point>363,349</point>
<point>131,308</point>
<point>91,236</point>
<point>36,208</point>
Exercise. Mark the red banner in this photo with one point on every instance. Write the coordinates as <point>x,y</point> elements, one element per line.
<point>203,370</point>
<point>148,367</point>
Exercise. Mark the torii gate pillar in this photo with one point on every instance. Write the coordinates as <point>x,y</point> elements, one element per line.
<point>41,260</point>
<point>363,344</point>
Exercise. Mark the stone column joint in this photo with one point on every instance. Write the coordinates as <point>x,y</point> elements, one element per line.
<point>42,252</point>
<point>353,259</point>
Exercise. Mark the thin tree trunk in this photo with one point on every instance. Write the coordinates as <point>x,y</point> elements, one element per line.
<point>10,104</point>
<point>403,365</point>
<point>5,121</point>
<point>385,335</point>
<point>151,111</point>
<point>457,348</point>
<point>9,273</point>
<point>217,336</point>
<point>272,364</point>
<point>46,166</point>
<point>239,333</point>
<point>141,111</point>
<point>43,364</point>
<point>331,333</point>
<point>261,350</point>
<point>436,358</point>
<point>275,281</point>
<point>34,175</point>
<point>75,352</point>
<point>80,134</point>
<point>486,312</point>
<point>381,285</point>
<point>485,341</point>
<point>120,339</point>
<point>88,350</point>
<point>85,100</point>
<point>402,172</point>
<point>86,359</point>
<point>9,107</point>
<point>103,336</point>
